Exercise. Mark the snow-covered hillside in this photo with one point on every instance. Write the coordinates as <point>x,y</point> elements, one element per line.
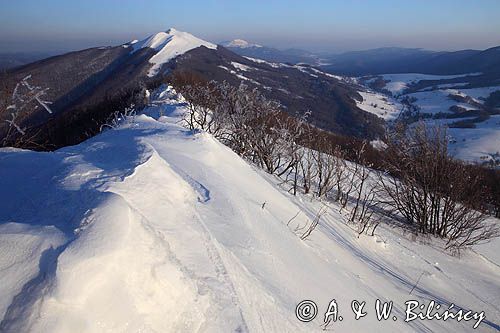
<point>379,104</point>
<point>169,45</point>
<point>154,228</point>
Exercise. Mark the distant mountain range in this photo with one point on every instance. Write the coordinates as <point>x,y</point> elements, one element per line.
<point>291,56</point>
<point>401,60</point>
<point>11,60</point>
<point>391,60</point>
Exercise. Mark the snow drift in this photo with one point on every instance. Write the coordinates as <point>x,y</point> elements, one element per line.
<point>153,228</point>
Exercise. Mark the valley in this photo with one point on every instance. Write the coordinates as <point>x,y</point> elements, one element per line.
<point>469,112</point>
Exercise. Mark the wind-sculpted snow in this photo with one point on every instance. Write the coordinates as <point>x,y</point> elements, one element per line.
<point>154,228</point>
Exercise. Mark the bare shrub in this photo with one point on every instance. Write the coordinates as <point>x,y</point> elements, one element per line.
<point>243,119</point>
<point>118,117</point>
<point>314,224</point>
<point>433,192</point>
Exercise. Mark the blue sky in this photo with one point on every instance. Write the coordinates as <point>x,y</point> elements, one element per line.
<point>320,25</point>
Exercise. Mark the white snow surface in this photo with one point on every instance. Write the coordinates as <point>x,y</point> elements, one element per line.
<point>480,93</point>
<point>476,144</point>
<point>169,45</point>
<point>154,228</point>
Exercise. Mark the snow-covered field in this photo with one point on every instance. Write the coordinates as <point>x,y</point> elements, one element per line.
<point>436,101</point>
<point>470,144</point>
<point>383,106</point>
<point>153,228</point>
<point>439,100</point>
<point>478,144</point>
<point>480,93</point>
<point>399,82</point>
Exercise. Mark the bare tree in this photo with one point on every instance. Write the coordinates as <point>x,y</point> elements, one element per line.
<point>348,185</point>
<point>308,170</point>
<point>291,130</point>
<point>325,166</point>
<point>25,97</point>
<point>341,174</point>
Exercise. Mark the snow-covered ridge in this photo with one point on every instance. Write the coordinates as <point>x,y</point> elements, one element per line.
<point>170,44</point>
<point>151,227</point>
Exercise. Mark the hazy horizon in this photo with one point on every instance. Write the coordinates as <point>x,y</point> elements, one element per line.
<point>57,26</point>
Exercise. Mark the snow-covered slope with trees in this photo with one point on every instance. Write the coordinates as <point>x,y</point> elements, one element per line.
<point>151,227</point>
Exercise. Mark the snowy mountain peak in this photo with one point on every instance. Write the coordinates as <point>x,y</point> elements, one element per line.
<point>170,44</point>
<point>240,43</point>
